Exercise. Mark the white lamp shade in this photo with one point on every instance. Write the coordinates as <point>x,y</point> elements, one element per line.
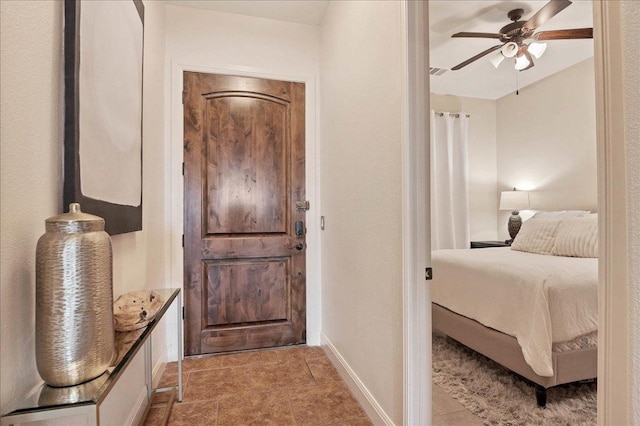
<point>514,200</point>
<point>497,59</point>
<point>537,49</point>
<point>522,62</point>
<point>510,49</point>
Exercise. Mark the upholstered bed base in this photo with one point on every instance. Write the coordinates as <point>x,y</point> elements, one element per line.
<point>570,366</point>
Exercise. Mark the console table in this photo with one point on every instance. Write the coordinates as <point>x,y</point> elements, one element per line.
<point>47,402</point>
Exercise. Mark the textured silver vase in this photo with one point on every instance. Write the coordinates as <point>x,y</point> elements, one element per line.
<point>74,299</point>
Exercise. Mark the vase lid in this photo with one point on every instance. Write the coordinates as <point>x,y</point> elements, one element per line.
<point>76,216</point>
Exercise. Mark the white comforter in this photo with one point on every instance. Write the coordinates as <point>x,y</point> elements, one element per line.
<point>538,299</point>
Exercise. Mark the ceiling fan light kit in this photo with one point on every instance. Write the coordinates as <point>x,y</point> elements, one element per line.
<point>513,37</point>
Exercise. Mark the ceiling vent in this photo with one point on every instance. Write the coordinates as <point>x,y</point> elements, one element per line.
<point>437,71</point>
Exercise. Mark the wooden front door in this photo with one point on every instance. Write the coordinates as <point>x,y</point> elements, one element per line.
<point>244,239</point>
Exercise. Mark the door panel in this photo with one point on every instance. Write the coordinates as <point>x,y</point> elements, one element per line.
<point>244,171</point>
<point>246,164</point>
<point>247,292</point>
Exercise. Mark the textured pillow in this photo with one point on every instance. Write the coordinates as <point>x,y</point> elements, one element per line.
<point>577,237</point>
<point>536,236</point>
<point>560,214</point>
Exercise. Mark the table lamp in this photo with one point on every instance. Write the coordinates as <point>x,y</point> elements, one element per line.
<point>514,201</point>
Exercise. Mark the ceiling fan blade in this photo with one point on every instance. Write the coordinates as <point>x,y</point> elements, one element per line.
<point>477,35</point>
<point>547,12</point>
<point>475,58</point>
<point>575,33</point>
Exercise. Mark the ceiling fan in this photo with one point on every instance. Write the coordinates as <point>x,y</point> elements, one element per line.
<point>513,36</point>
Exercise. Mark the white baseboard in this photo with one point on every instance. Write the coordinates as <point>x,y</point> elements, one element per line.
<point>359,390</point>
<point>158,368</point>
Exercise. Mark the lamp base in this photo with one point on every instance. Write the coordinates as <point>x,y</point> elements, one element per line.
<point>514,224</point>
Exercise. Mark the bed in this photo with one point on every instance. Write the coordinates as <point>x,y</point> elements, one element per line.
<point>531,307</point>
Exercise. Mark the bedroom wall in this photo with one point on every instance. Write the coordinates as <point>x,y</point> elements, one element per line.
<point>546,142</point>
<point>631,37</point>
<point>361,181</point>
<point>483,176</point>
<point>31,183</point>
<point>199,39</point>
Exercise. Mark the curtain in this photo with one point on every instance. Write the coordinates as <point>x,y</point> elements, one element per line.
<point>449,181</point>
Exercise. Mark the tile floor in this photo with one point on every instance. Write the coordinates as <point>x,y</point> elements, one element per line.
<point>288,386</point>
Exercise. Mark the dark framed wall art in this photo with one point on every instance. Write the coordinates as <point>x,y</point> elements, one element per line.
<point>103,110</point>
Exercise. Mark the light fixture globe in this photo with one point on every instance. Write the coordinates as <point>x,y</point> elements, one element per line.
<point>522,63</point>
<point>510,49</point>
<point>497,59</point>
<point>537,49</point>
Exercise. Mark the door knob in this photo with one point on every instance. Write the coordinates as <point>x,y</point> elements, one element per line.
<point>299,246</point>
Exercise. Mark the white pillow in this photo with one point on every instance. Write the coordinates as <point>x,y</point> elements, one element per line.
<point>577,237</point>
<point>560,214</point>
<point>536,236</point>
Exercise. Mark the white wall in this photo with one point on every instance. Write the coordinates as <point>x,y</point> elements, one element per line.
<point>546,142</point>
<point>31,178</point>
<point>361,181</point>
<point>31,174</point>
<point>483,175</point>
<point>209,41</point>
<point>631,36</point>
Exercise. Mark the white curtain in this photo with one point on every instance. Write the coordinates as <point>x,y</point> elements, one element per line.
<point>449,181</point>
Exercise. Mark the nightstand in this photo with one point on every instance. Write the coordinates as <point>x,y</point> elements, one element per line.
<point>485,244</point>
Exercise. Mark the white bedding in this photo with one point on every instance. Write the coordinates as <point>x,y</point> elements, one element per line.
<point>538,299</point>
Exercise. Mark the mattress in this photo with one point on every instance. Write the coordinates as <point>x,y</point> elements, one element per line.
<point>541,300</point>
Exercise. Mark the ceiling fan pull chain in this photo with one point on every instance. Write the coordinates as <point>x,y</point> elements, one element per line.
<point>517,85</point>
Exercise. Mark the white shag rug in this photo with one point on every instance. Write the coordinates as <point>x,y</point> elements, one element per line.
<point>500,397</point>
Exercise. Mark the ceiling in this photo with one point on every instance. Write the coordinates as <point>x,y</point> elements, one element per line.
<point>480,79</point>
<point>477,80</point>
<point>308,12</point>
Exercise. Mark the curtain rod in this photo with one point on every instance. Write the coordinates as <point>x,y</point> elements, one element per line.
<point>456,115</point>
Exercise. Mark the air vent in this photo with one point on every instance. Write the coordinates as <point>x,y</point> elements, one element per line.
<point>437,71</point>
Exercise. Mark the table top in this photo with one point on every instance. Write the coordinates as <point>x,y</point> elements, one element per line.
<point>484,244</point>
<point>45,397</point>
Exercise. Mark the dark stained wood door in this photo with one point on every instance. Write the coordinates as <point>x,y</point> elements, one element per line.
<point>244,264</point>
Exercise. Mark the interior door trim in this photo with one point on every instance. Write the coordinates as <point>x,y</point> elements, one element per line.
<point>416,216</point>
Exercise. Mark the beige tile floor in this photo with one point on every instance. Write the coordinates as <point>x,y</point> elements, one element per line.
<point>289,386</point>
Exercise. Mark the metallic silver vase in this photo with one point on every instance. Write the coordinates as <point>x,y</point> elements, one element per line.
<point>74,299</point>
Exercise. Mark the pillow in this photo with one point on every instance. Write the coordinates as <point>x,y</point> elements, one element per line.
<point>577,237</point>
<point>536,236</point>
<point>560,214</point>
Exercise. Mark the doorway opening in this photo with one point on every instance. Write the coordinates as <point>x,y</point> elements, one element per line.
<point>485,89</point>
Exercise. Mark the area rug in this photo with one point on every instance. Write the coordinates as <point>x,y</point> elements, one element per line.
<point>500,397</point>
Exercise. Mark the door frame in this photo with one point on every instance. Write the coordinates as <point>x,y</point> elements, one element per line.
<point>416,221</point>
<point>614,366</point>
<point>174,190</point>
<point>614,357</point>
